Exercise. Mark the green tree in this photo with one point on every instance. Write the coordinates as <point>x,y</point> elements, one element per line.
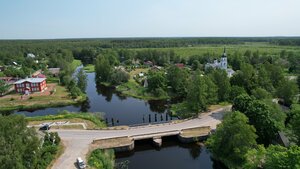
<point>178,79</point>
<point>103,69</point>
<point>275,156</point>
<point>264,80</point>
<point>287,90</point>
<point>295,122</point>
<point>197,94</point>
<point>246,77</point>
<point>260,93</point>
<point>232,140</point>
<point>19,144</point>
<point>212,91</point>
<point>298,82</point>
<point>236,91</point>
<point>221,79</point>
<point>3,87</point>
<point>156,80</point>
<point>81,80</point>
<point>119,76</point>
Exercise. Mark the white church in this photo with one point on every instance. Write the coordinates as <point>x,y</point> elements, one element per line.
<point>222,64</point>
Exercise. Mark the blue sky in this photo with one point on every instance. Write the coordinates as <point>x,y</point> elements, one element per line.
<point>49,19</point>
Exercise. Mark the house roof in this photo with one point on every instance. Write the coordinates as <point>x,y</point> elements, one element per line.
<point>54,70</point>
<point>31,80</point>
<point>180,65</point>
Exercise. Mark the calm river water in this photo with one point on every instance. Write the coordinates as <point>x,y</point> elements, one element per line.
<point>122,110</point>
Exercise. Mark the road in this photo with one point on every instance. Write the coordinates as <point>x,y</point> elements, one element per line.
<point>77,142</point>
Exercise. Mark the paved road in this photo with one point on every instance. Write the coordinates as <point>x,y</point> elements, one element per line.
<point>77,142</point>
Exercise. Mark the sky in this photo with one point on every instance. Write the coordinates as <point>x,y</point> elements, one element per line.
<point>55,19</point>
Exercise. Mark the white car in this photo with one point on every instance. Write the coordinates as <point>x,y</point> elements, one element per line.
<point>80,163</point>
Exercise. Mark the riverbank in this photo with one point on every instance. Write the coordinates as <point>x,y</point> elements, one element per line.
<point>54,96</point>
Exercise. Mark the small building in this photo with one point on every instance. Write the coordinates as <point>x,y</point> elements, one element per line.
<point>6,79</point>
<point>179,65</point>
<point>30,85</point>
<point>54,71</point>
<point>156,68</point>
<point>148,63</point>
<point>39,76</point>
<point>30,55</point>
<point>2,68</point>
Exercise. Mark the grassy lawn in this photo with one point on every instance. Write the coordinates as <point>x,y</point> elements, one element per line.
<point>89,68</point>
<point>38,100</point>
<point>91,120</point>
<point>76,63</point>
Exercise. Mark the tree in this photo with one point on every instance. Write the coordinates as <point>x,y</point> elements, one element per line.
<point>212,91</point>
<point>264,80</point>
<point>81,80</point>
<point>3,87</point>
<point>103,69</point>
<point>196,96</point>
<point>19,144</point>
<point>221,79</point>
<point>178,79</point>
<point>260,93</point>
<point>119,76</point>
<point>232,139</point>
<point>295,122</point>
<point>260,116</point>
<point>287,90</point>
<point>298,82</point>
<point>236,91</point>
<point>246,77</point>
<point>275,156</point>
<point>157,83</point>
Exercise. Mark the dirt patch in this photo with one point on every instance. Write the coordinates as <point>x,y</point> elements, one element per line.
<point>112,142</point>
<point>195,132</point>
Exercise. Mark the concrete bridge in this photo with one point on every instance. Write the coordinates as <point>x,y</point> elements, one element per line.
<point>79,142</point>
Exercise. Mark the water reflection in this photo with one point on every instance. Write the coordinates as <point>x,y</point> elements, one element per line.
<point>172,154</point>
<point>124,110</point>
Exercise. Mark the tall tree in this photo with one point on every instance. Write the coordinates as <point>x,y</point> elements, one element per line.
<point>103,69</point>
<point>197,94</point>
<point>19,143</point>
<point>295,122</point>
<point>232,139</point>
<point>178,79</point>
<point>221,79</point>
<point>287,90</point>
<point>81,80</point>
<point>3,87</point>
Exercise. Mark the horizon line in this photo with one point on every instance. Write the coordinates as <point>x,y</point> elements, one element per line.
<point>148,37</point>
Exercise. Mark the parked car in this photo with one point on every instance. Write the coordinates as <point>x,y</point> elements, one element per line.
<point>45,127</point>
<point>80,163</point>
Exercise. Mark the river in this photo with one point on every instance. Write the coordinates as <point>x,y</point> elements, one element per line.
<point>122,110</point>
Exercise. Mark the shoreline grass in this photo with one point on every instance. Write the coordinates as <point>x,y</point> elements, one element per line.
<point>89,68</point>
<point>95,118</point>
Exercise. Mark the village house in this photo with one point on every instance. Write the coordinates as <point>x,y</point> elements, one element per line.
<point>30,85</point>
<point>179,65</point>
<point>2,68</point>
<point>54,71</point>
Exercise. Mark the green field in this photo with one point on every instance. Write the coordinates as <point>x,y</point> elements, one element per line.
<point>216,50</point>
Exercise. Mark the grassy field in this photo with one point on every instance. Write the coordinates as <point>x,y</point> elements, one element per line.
<point>91,120</point>
<point>89,68</point>
<point>76,63</point>
<point>38,100</point>
<point>217,50</point>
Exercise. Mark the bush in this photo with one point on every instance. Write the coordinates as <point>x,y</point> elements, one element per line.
<point>102,159</point>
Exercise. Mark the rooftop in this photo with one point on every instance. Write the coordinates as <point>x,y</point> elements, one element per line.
<point>31,80</point>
